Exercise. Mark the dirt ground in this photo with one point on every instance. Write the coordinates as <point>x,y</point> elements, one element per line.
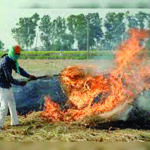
<point>42,67</point>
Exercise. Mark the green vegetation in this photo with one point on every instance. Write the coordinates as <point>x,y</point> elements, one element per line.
<point>82,31</point>
<point>1,45</point>
<point>65,54</point>
<point>25,31</point>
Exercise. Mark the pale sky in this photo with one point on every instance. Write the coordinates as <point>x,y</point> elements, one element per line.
<point>9,18</point>
<point>12,10</point>
<point>74,3</point>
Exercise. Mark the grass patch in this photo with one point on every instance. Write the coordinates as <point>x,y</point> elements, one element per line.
<point>66,54</point>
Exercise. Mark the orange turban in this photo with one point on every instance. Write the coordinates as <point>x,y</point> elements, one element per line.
<point>17,49</point>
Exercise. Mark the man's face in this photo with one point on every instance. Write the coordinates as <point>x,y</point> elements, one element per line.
<point>17,56</point>
<point>17,50</point>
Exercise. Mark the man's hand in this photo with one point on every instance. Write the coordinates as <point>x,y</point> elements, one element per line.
<point>32,77</point>
<point>23,83</point>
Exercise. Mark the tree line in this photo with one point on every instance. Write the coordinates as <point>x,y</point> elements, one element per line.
<point>77,32</point>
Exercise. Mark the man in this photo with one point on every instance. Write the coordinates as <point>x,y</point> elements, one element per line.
<point>7,64</point>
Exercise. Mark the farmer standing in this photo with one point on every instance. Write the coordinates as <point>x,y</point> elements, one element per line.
<point>7,64</point>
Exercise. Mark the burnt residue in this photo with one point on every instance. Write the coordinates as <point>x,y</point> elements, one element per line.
<point>31,97</point>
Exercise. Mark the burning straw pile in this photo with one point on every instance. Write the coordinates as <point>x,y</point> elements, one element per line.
<point>91,93</point>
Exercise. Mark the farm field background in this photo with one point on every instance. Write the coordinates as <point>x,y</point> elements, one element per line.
<point>42,66</point>
<point>35,129</point>
<point>102,54</point>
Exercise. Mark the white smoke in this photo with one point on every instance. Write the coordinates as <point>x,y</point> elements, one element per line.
<point>119,113</point>
<point>143,100</point>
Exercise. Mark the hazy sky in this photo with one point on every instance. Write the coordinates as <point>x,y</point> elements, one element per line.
<point>9,18</point>
<point>74,3</point>
<point>12,10</point>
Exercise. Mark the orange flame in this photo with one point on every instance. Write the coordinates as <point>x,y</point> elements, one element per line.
<point>83,86</point>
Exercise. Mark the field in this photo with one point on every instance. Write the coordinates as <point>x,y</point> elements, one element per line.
<point>65,54</point>
<point>40,67</point>
<point>35,129</point>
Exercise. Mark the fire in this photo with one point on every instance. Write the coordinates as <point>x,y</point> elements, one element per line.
<point>91,93</point>
<point>81,86</point>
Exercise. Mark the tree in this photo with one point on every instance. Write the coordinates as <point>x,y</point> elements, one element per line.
<point>67,42</point>
<point>25,31</point>
<point>72,25</point>
<point>115,28</point>
<point>141,18</point>
<point>86,29</point>
<point>94,25</point>
<point>53,34</point>
<point>59,36</point>
<point>1,45</point>
<point>45,28</point>
<point>77,25</point>
<point>148,20</point>
<point>132,21</point>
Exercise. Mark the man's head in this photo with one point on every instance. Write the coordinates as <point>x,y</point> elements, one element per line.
<point>14,52</point>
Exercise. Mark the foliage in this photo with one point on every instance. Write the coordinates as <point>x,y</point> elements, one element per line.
<point>78,27</point>
<point>115,27</point>
<point>45,28</point>
<point>63,54</point>
<point>80,32</point>
<point>95,33</point>
<point>25,31</point>
<point>1,45</point>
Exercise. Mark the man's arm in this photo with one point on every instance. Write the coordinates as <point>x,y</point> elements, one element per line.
<point>25,74</point>
<point>8,75</point>
<point>22,72</point>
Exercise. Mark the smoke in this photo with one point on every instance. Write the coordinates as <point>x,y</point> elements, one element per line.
<point>119,113</point>
<point>143,101</point>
